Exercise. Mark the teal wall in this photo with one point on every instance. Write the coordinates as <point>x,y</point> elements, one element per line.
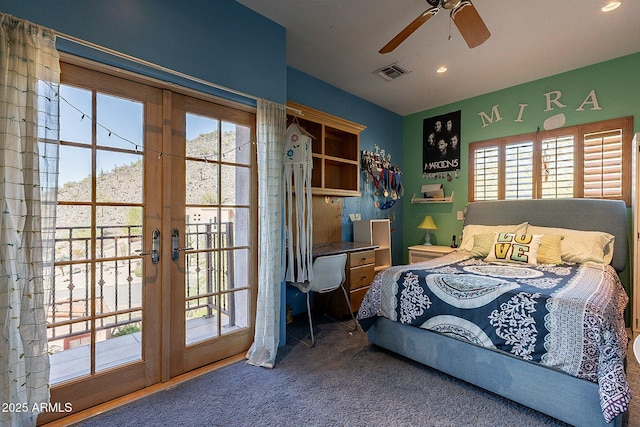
<point>617,91</point>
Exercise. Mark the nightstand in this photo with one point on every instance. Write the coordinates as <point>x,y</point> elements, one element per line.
<point>420,253</point>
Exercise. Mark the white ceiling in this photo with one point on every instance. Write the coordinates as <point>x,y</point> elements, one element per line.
<point>337,41</point>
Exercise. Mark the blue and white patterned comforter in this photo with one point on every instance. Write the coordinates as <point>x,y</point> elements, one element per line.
<point>568,317</point>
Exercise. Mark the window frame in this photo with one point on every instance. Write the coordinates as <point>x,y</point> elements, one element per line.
<point>625,124</point>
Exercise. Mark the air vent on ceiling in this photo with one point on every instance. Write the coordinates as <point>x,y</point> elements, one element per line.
<point>391,72</point>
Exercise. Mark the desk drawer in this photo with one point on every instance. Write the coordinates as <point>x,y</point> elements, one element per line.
<point>356,298</point>
<point>361,276</point>
<point>357,259</point>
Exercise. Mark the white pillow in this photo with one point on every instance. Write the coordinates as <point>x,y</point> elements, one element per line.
<point>580,246</point>
<point>472,229</point>
<point>518,248</point>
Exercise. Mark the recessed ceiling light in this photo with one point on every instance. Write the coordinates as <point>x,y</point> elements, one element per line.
<point>441,70</point>
<point>612,5</point>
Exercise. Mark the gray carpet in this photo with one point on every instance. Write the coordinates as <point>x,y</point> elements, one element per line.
<point>342,381</point>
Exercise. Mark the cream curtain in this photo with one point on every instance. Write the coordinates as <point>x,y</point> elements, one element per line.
<point>271,120</point>
<point>29,79</point>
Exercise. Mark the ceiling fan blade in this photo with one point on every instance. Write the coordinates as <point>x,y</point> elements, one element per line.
<point>470,25</point>
<point>409,29</point>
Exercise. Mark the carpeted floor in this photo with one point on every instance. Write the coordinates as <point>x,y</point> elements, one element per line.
<point>342,381</point>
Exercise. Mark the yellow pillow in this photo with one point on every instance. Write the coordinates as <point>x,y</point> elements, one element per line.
<point>482,244</point>
<point>518,248</point>
<point>550,250</point>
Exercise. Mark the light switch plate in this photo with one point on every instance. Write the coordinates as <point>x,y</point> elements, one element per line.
<point>460,216</point>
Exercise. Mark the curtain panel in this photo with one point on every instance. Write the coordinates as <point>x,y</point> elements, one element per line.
<point>271,123</point>
<point>29,80</point>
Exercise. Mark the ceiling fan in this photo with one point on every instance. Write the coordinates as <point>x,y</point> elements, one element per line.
<point>463,14</point>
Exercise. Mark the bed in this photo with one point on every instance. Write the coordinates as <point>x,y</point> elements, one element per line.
<point>552,334</point>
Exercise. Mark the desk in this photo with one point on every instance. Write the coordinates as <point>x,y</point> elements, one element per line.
<point>360,270</point>
<point>322,249</point>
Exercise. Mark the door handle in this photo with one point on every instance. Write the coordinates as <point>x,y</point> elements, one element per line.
<point>175,242</point>
<point>155,247</point>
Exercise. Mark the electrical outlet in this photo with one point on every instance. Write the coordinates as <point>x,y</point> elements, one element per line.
<point>460,216</point>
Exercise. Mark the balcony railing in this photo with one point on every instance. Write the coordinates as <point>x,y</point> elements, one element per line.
<point>117,304</point>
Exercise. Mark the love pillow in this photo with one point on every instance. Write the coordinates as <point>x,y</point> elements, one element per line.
<point>517,248</point>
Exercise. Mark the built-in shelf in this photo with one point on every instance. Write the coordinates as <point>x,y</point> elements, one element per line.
<point>376,232</point>
<point>335,151</point>
<point>415,199</point>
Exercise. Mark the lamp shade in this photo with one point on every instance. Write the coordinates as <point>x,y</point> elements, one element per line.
<point>428,224</point>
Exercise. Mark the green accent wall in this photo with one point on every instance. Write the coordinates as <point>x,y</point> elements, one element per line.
<point>616,91</point>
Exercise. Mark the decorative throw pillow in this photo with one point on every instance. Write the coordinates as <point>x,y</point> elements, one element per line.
<point>469,231</point>
<point>482,244</point>
<point>550,250</point>
<point>518,248</point>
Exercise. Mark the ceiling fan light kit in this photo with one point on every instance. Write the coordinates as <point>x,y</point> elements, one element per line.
<point>463,14</point>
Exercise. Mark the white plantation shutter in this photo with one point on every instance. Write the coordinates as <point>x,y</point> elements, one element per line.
<point>603,164</point>
<point>519,171</point>
<point>485,173</point>
<point>577,161</point>
<point>557,167</point>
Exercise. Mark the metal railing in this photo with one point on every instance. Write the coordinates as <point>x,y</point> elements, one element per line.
<point>72,310</point>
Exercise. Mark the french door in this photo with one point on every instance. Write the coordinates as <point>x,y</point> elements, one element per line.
<point>155,266</point>
<point>213,262</point>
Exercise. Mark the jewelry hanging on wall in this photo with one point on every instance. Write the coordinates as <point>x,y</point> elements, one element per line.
<point>386,177</point>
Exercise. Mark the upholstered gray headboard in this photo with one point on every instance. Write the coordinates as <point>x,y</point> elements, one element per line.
<point>579,214</point>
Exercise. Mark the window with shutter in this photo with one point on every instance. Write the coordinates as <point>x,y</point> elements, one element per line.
<point>518,173</point>
<point>603,164</point>
<point>557,167</point>
<point>485,170</point>
<point>591,160</point>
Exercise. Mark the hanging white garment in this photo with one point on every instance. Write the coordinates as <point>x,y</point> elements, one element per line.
<point>298,165</point>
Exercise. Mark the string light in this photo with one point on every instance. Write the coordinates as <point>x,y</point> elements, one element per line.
<point>160,153</point>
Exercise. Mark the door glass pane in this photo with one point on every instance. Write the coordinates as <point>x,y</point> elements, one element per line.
<point>202,319</point>
<point>202,137</point>
<point>235,185</point>
<point>69,300</point>
<point>217,218</point>
<point>119,177</point>
<point>202,182</point>
<point>97,268</point>
<point>235,143</point>
<point>74,179</point>
<point>236,315</point>
<point>117,345</point>
<point>119,122</point>
<point>234,282</point>
<point>75,115</point>
<point>236,222</point>
<point>73,233</point>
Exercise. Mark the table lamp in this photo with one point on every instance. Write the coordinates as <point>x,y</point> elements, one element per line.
<point>427,224</point>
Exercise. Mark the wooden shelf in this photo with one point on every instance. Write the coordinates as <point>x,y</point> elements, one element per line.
<point>376,232</point>
<point>335,151</point>
<point>415,199</point>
